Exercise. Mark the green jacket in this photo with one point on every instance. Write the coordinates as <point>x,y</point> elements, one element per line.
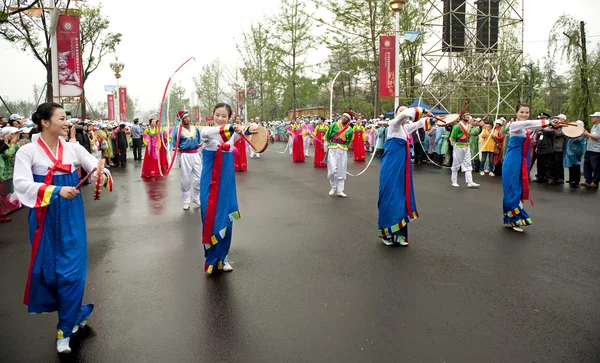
<point>9,160</point>
<point>341,142</point>
<point>474,140</point>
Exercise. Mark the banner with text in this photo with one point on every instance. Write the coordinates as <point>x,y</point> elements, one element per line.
<point>387,54</point>
<point>196,113</point>
<point>123,103</point>
<point>68,56</point>
<point>110,100</point>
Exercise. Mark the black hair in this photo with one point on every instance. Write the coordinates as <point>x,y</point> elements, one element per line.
<point>519,105</point>
<point>322,118</point>
<point>223,104</point>
<point>44,112</point>
<point>397,108</point>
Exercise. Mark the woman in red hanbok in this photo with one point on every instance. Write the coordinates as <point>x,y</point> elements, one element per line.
<point>155,159</point>
<point>298,145</point>
<point>320,131</point>
<point>240,159</point>
<point>358,142</point>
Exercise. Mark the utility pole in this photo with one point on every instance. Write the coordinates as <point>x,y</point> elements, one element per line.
<point>584,71</point>
<point>530,93</point>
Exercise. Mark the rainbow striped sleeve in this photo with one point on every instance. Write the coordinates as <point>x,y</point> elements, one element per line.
<point>45,195</point>
<point>418,113</point>
<point>226,132</point>
<point>429,123</point>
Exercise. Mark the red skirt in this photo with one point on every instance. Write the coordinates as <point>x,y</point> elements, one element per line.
<point>240,159</point>
<point>319,152</point>
<point>150,165</point>
<point>359,147</point>
<point>298,149</point>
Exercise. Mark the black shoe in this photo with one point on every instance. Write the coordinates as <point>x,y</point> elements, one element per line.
<point>574,185</point>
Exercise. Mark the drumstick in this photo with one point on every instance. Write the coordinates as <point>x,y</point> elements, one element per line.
<point>248,141</point>
<point>86,178</point>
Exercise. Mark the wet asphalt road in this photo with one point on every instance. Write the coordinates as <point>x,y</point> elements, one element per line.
<point>312,282</point>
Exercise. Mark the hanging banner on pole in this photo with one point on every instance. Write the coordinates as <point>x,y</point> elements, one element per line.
<point>68,56</point>
<point>123,103</point>
<point>196,113</point>
<point>110,100</point>
<point>387,58</point>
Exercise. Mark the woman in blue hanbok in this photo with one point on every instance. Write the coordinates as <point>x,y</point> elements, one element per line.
<point>218,204</point>
<point>515,168</point>
<point>396,204</point>
<point>44,180</point>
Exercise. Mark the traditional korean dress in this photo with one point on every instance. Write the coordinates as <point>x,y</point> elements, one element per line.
<point>57,230</point>
<point>358,143</point>
<point>219,206</point>
<point>240,158</point>
<point>515,171</point>
<point>320,131</point>
<point>155,159</point>
<point>298,144</point>
<point>397,205</point>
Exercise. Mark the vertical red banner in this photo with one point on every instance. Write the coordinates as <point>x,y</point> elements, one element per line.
<point>68,51</point>
<point>123,103</point>
<point>387,59</point>
<point>197,113</point>
<point>111,106</point>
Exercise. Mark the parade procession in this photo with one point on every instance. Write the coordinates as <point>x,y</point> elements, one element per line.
<point>318,131</point>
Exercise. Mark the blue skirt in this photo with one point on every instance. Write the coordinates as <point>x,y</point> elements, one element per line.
<point>59,269</point>
<point>512,203</point>
<point>226,208</point>
<point>393,211</point>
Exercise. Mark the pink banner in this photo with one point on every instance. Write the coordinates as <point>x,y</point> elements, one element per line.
<point>111,106</point>
<point>197,113</point>
<point>123,103</point>
<point>68,53</point>
<point>387,53</point>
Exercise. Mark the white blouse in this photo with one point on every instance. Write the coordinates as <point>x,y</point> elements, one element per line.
<point>519,128</point>
<point>31,159</point>
<point>213,136</point>
<point>399,129</point>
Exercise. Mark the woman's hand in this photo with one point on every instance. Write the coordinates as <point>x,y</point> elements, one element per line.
<point>68,192</point>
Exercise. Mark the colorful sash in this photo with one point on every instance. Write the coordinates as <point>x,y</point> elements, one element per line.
<point>213,195</point>
<point>40,212</point>
<point>525,168</point>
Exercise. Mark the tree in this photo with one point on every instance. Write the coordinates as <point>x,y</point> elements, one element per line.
<point>96,41</point>
<point>293,27</point>
<point>358,23</point>
<point>177,100</point>
<point>132,108</point>
<point>29,32</point>
<point>23,107</point>
<point>208,86</point>
<point>568,37</point>
<point>11,8</point>
<point>260,60</point>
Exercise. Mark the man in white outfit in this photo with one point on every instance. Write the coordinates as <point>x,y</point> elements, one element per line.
<point>461,154</point>
<point>190,161</point>
<point>336,143</point>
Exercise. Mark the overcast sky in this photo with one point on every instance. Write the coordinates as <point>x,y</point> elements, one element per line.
<point>156,40</point>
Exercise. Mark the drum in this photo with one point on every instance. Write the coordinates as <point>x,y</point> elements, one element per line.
<point>573,130</point>
<point>448,119</point>
<point>260,139</point>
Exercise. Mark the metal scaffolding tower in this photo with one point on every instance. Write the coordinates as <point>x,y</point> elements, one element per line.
<point>467,41</point>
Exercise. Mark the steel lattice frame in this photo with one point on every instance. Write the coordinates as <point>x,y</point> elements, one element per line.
<point>448,79</point>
